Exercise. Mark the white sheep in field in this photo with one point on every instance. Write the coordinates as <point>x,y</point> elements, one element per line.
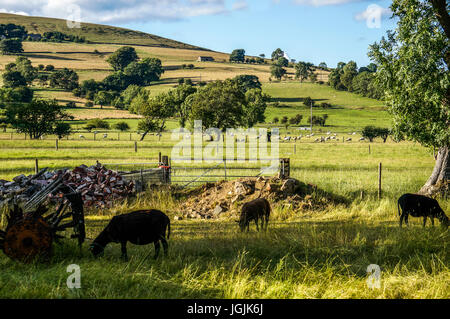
<point>82,137</point>
<point>317,140</point>
<point>105,135</point>
<point>328,133</point>
<point>362,139</point>
<point>348,140</point>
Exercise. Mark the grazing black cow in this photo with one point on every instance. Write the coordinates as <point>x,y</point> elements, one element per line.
<point>255,210</point>
<point>420,206</point>
<point>140,228</point>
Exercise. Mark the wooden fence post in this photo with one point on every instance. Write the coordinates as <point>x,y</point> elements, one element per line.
<point>379,180</point>
<point>135,147</point>
<point>56,144</point>
<point>36,166</point>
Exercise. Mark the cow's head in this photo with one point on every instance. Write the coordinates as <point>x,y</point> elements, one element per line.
<point>96,249</point>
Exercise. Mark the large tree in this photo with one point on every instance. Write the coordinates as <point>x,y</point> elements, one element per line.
<point>303,70</point>
<point>237,55</point>
<point>413,69</point>
<point>11,46</point>
<point>144,72</point>
<point>37,118</point>
<point>122,57</point>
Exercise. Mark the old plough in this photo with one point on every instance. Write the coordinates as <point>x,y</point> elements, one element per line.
<point>31,228</point>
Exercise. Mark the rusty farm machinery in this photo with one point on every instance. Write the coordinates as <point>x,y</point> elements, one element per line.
<point>33,227</point>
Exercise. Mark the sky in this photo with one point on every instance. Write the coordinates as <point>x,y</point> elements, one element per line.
<point>315,31</point>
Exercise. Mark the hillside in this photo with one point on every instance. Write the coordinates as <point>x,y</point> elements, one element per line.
<point>95,33</point>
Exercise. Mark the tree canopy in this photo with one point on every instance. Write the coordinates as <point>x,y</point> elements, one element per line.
<point>120,59</point>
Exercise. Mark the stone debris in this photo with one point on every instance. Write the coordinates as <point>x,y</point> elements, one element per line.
<point>225,198</point>
<point>99,186</point>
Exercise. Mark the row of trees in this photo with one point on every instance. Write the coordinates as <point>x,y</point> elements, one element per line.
<point>129,72</point>
<point>347,77</point>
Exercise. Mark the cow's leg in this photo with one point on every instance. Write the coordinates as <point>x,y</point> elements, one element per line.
<point>165,245</point>
<point>424,221</point>
<point>262,222</point>
<point>124,250</point>
<point>267,221</point>
<point>157,249</point>
<point>432,220</point>
<point>406,220</point>
<point>402,216</point>
<point>248,226</point>
<point>256,222</point>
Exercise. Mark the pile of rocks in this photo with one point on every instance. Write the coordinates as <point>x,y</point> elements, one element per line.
<point>225,198</point>
<point>99,186</point>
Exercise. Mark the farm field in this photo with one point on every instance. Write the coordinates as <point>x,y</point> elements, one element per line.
<point>306,253</point>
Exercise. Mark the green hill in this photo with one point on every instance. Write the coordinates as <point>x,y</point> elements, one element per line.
<point>95,33</point>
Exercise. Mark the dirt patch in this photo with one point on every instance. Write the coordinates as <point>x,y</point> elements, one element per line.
<point>225,198</point>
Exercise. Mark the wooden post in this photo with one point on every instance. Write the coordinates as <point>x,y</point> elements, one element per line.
<point>225,168</point>
<point>295,148</point>
<point>36,166</point>
<point>135,147</point>
<point>159,158</point>
<point>130,136</point>
<point>379,181</point>
<point>56,144</point>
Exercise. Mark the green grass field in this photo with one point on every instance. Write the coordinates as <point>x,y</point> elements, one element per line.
<point>306,254</point>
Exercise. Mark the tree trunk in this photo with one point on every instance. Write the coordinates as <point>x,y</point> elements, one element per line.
<point>438,180</point>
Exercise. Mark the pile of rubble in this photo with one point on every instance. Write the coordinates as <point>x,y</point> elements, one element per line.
<point>225,198</point>
<point>99,186</point>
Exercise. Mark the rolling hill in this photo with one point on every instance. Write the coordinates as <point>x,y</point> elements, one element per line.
<point>94,33</point>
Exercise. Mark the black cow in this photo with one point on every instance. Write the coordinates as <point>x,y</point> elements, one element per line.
<point>420,206</point>
<point>255,210</point>
<point>140,228</point>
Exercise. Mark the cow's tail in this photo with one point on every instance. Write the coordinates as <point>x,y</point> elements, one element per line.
<point>168,230</point>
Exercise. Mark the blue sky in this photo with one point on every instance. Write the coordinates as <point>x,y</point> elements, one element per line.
<point>307,30</point>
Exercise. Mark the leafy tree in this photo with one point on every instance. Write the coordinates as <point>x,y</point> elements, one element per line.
<point>384,133</point>
<point>278,53</point>
<point>255,107</point>
<point>120,59</point>
<point>370,132</point>
<point>13,79</point>
<point>23,65</point>
<point>122,126</point>
<point>349,71</point>
<point>11,31</point>
<point>277,71</point>
<point>37,118</point>
<point>179,97</point>
<point>296,120</point>
<point>144,72</point>
<point>417,84</point>
<point>97,123</point>
<point>313,77</point>
<point>247,82</point>
<point>303,70</point>
<point>156,110</point>
<point>307,101</point>
<point>276,120</point>
<point>11,46</point>
<point>49,68</point>
<point>103,98</point>
<point>285,121</point>
<point>323,65</point>
<point>21,94</point>
<point>62,129</point>
<point>66,79</point>
<point>118,81</point>
<point>237,55</point>
<point>220,104</point>
<point>282,61</point>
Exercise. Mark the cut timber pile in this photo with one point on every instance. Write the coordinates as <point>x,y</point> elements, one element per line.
<point>226,197</point>
<point>99,186</point>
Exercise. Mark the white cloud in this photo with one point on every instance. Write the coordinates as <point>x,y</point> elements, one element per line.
<point>13,12</point>
<point>107,11</point>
